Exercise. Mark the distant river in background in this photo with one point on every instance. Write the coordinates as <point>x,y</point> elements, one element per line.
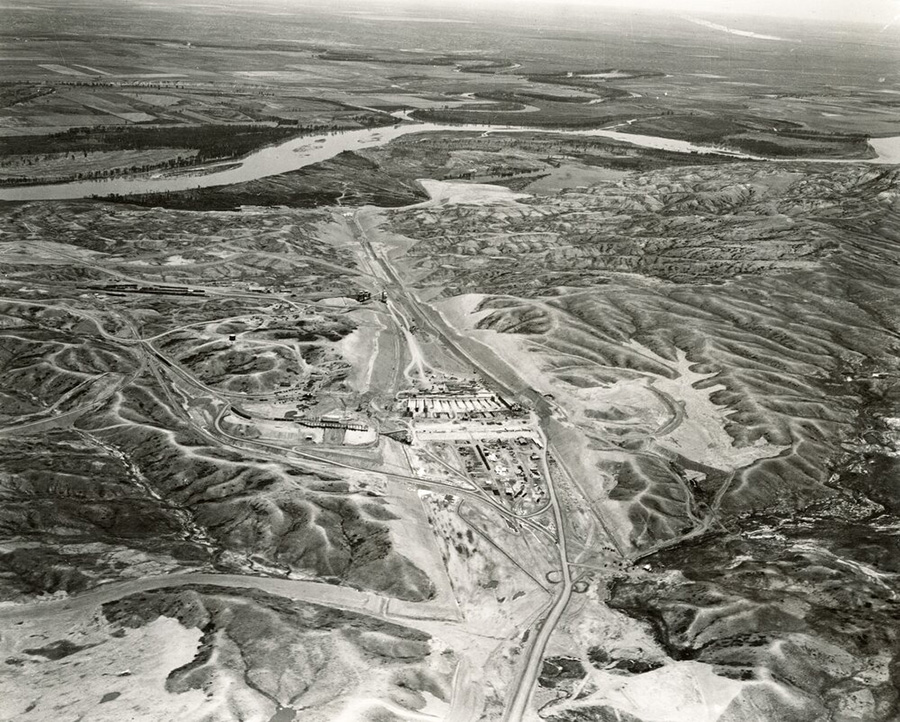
<point>308,150</point>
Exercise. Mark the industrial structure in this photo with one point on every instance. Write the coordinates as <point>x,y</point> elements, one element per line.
<point>437,406</point>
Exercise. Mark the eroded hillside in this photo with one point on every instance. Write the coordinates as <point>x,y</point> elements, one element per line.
<point>719,346</point>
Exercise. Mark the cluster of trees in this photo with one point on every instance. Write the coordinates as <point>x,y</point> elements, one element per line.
<point>367,120</point>
<point>209,143</point>
<point>545,119</point>
<point>13,93</point>
<point>212,142</point>
<point>177,162</point>
<point>802,147</point>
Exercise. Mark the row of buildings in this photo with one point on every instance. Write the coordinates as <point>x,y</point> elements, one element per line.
<point>436,406</point>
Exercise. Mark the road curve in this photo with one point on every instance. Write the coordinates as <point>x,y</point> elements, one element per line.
<point>329,595</point>
<point>525,684</point>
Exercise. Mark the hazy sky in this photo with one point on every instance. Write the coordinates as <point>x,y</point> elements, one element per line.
<point>874,11</point>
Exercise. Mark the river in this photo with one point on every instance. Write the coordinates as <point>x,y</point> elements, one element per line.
<point>307,150</point>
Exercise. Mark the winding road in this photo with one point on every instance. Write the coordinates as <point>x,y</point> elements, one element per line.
<point>322,593</point>
<point>522,690</point>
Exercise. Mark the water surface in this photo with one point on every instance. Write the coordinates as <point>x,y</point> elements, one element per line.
<point>298,153</point>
